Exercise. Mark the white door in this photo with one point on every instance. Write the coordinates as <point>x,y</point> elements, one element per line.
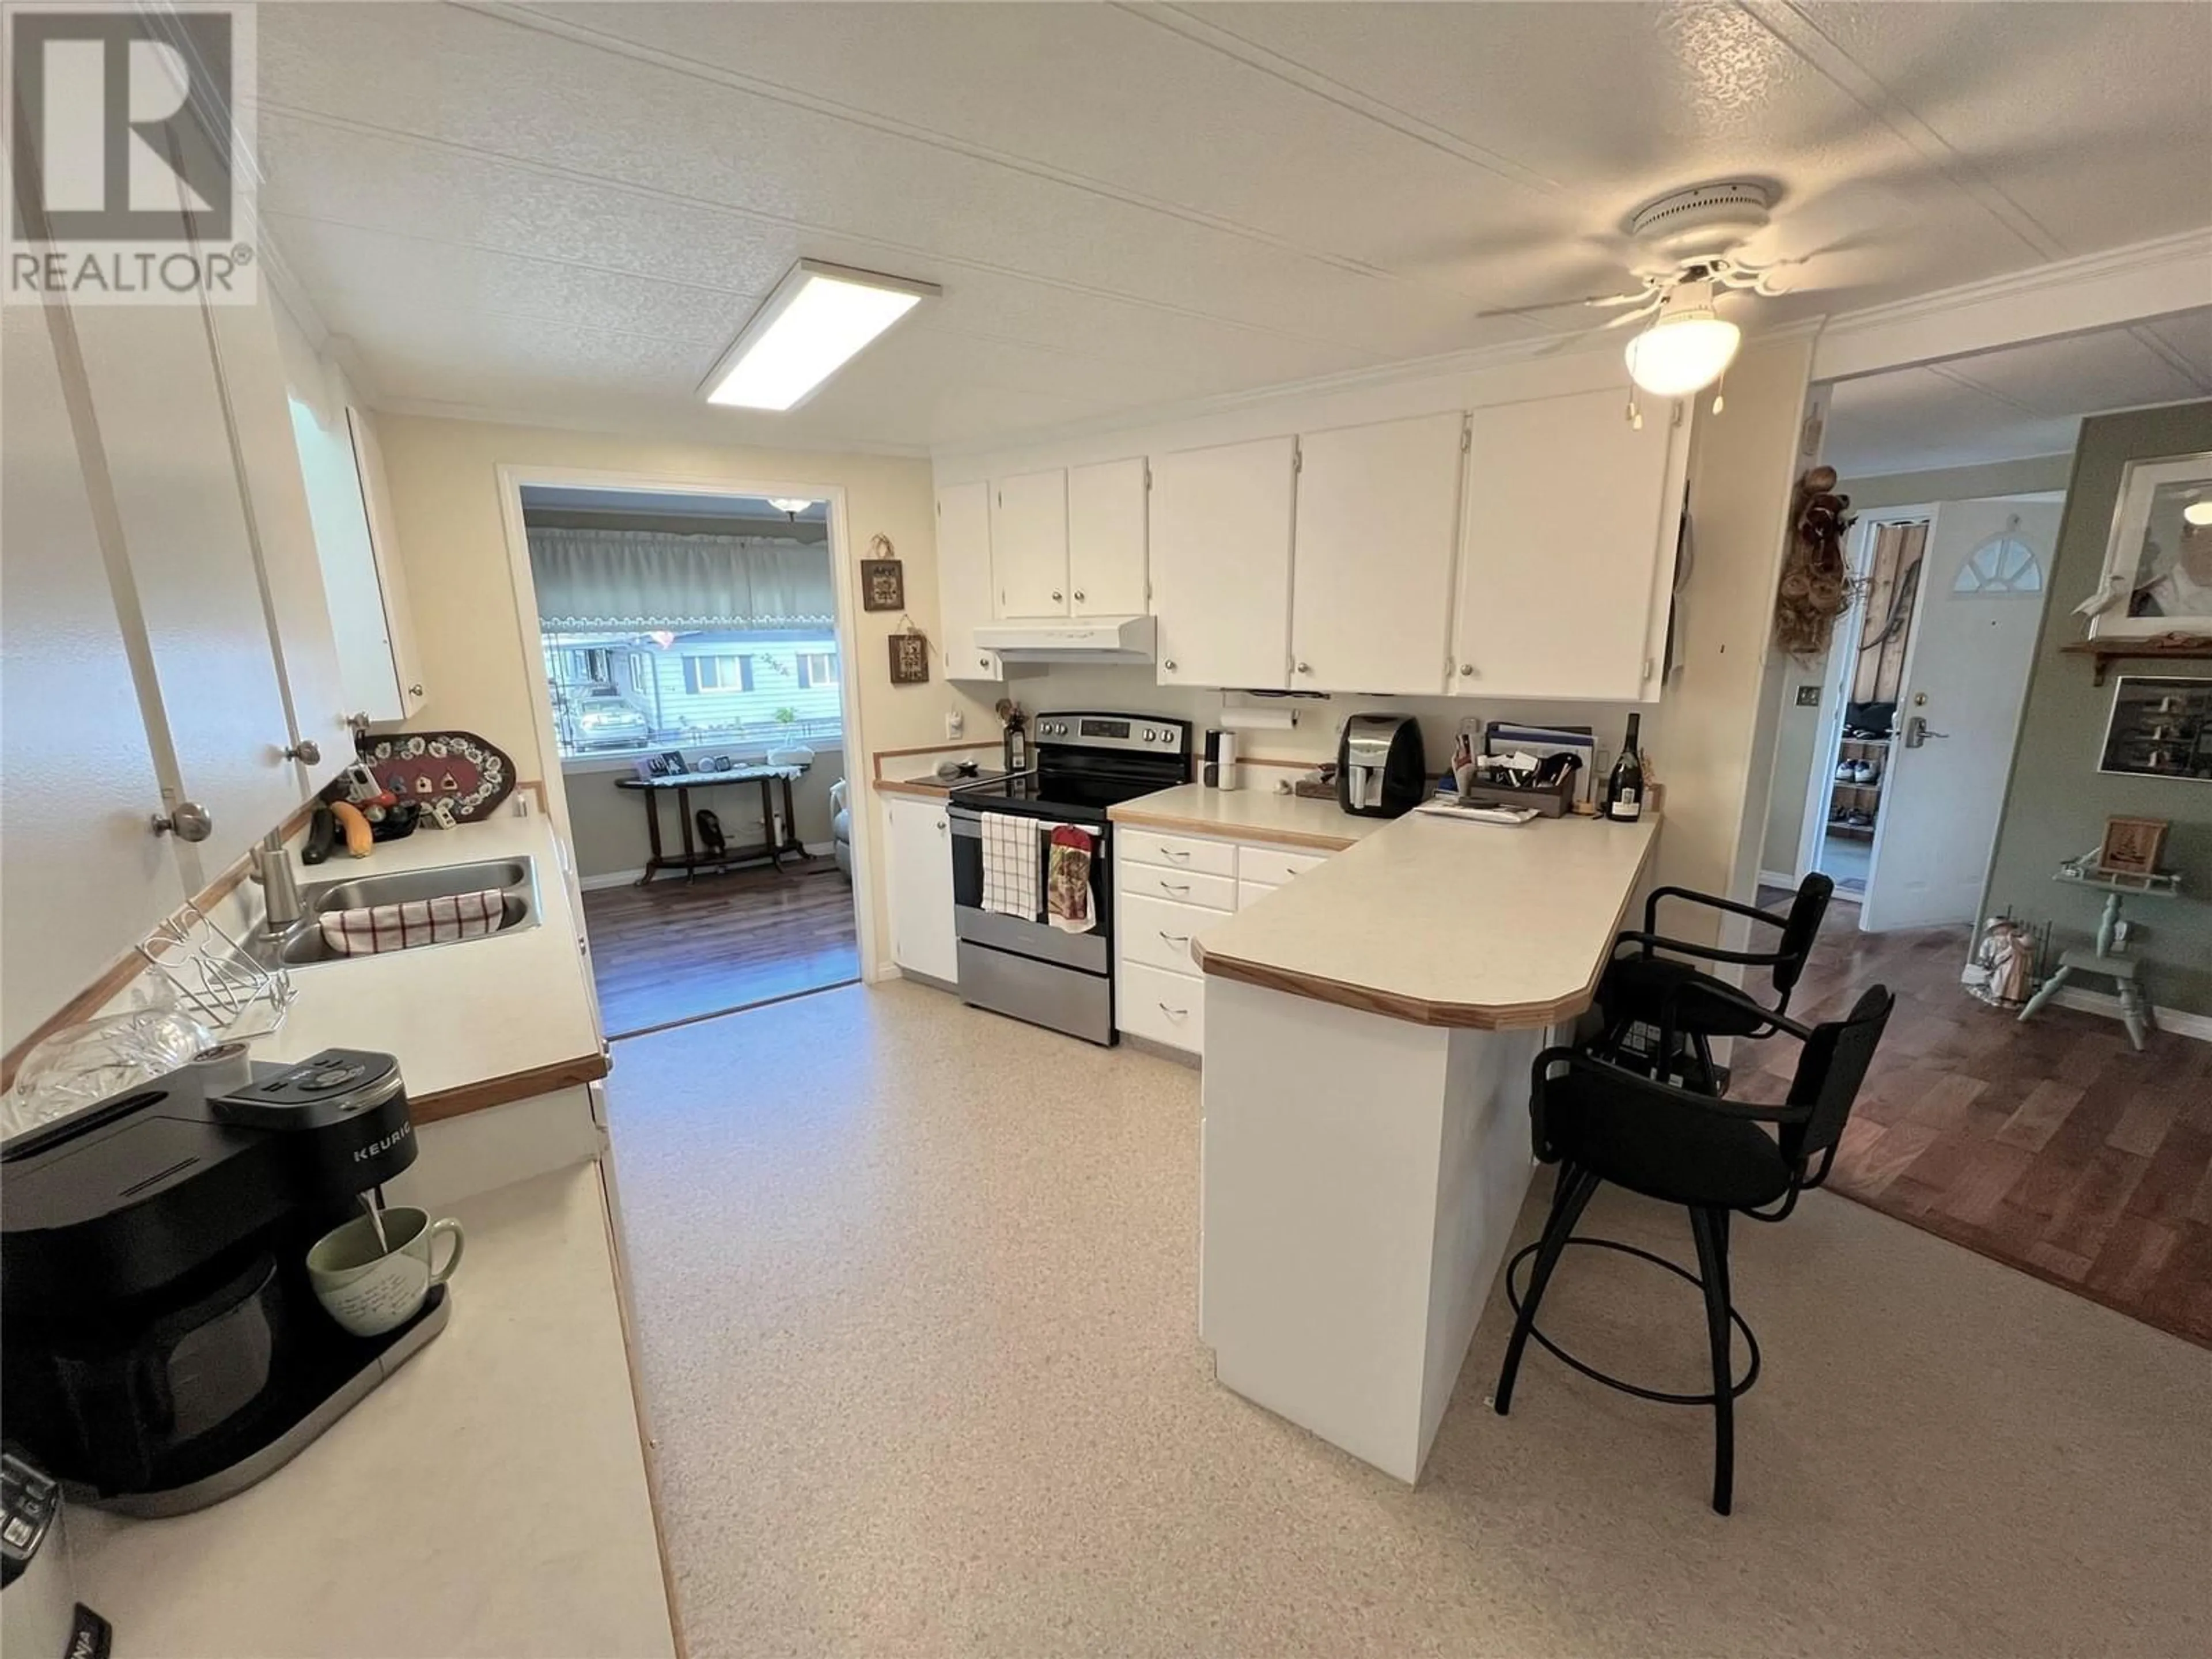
<point>1106,539</point>
<point>1221,564</point>
<point>1377,512</point>
<point>919,838</point>
<point>1029,543</point>
<point>1966,677</point>
<point>964,592</point>
<point>178,501</point>
<point>1568,538</point>
<point>85,877</point>
<point>284,537</point>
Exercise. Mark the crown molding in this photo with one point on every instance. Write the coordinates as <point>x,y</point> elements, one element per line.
<point>2109,289</point>
<point>649,427</point>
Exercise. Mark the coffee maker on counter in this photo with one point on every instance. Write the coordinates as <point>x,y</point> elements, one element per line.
<point>160,1345</point>
<point>1380,770</point>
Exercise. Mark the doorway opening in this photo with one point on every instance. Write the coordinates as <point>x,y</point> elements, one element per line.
<point>695,698</point>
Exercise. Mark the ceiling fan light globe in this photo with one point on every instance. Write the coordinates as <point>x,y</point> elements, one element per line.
<point>1682,354</point>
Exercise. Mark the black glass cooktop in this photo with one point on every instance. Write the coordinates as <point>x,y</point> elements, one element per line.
<point>1025,794</point>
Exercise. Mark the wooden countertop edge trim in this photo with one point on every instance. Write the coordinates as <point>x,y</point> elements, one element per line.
<point>1419,1010</point>
<point>1240,832</point>
<point>505,1089</point>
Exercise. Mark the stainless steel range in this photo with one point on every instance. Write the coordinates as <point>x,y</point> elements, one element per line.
<point>1022,965</point>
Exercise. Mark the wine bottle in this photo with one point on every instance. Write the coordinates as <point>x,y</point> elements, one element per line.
<point>1623,785</point>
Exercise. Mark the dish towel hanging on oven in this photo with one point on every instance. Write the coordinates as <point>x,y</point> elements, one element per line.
<point>1010,866</point>
<point>1067,880</point>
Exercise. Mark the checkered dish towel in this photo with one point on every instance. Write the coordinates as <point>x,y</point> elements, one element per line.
<point>375,928</point>
<point>1011,862</point>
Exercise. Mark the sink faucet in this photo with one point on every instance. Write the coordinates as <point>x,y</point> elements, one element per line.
<point>272,868</point>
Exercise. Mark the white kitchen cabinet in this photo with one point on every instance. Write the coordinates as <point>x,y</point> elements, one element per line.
<point>385,560</point>
<point>1377,514</point>
<point>918,834</point>
<point>1567,550</point>
<point>1106,539</point>
<point>1029,543</point>
<point>85,877</point>
<point>1221,563</point>
<point>965,591</point>
<point>285,540</point>
<point>181,510</point>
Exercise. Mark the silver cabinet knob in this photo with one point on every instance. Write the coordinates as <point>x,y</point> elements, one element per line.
<point>188,820</point>
<point>1466,669</point>
<point>982,662</point>
<point>1303,669</point>
<point>307,750</point>
<point>1168,665</point>
<point>1078,596</point>
<point>1056,596</point>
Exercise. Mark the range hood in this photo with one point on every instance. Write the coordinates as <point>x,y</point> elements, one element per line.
<point>1057,639</point>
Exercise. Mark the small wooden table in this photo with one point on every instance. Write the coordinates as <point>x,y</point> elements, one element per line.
<point>2124,970</point>
<point>692,860</point>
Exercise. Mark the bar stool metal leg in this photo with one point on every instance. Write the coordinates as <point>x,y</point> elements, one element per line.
<point>1710,1228</point>
<point>1569,1198</point>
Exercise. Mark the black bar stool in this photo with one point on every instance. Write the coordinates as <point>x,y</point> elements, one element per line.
<point>1688,1007</point>
<point>1599,1122</point>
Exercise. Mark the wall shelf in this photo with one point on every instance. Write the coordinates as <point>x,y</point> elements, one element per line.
<point>2188,648</point>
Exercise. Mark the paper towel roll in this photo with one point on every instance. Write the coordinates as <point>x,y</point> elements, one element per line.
<point>1258,719</point>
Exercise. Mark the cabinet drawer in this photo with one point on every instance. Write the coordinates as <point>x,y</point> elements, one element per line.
<point>1249,893</point>
<point>1157,935</point>
<point>1208,858</point>
<point>1272,865</point>
<point>1179,886</point>
<point>1161,1007</point>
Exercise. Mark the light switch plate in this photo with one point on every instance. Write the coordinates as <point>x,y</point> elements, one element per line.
<point>1808,696</point>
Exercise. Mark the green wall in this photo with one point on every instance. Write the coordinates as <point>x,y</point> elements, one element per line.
<point>2056,801</point>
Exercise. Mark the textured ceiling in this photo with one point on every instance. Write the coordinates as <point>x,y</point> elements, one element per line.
<point>564,213</point>
<point>2023,400</point>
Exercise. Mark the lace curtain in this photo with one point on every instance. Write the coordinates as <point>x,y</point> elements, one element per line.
<point>647,579</point>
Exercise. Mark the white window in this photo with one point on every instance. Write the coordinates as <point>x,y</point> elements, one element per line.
<point>2003,564</point>
<point>723,674</point>
<point>817,669</point>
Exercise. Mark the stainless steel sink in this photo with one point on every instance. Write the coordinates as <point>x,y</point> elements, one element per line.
<point>302,945</point>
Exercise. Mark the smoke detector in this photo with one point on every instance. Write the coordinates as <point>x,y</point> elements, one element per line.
<point>1702,223</point>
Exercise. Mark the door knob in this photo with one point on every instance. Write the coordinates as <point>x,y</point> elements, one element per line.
<point>1917,731</point>
<point>188,820</point>
<point>307,750</point>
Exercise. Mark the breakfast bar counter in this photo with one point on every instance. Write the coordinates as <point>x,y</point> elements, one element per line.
<point>1369,1033</point>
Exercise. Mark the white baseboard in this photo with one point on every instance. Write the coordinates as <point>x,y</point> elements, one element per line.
<point>2176,1020</point>
<point>1775,878</point>
<point>611,879</point>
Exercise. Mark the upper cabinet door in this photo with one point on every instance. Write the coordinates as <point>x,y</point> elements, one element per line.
<point>85,877</point>
<point>1378,510</point>
<point>964,590</point>
<point>384,553</point>
<point>1106,539</point>
<point>1221,564</point>
<point>1029,543</point>
<point>165,437</point>
<point>1570,534</point>
<point>284,537</point>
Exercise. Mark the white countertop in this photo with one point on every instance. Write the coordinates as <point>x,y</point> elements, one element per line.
<point>1464,924</point>
<point>489,1498</point>
<point>455,1014</point>
<point>1248,815</point>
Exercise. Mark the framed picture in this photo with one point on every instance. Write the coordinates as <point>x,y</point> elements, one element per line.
<point>909,659</point>
<point>653,767</point>
<point>2158,563</point>
<point>671,763</point>
<point>2161,728</point>
<point>882,585</point>
<point>2132,846</point>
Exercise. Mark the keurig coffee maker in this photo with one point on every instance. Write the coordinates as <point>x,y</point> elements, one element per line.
<point>161,1347</point>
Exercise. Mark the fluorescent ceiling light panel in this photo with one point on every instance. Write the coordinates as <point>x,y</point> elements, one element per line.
<point>819,317</point>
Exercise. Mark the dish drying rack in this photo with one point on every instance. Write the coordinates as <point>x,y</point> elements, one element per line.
<point>215,979</point>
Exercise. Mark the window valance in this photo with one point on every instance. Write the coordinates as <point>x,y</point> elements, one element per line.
<point>647,579</point>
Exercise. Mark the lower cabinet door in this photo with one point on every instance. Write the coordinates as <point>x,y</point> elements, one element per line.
<point>920,898</point>
<point>1160,1007</point>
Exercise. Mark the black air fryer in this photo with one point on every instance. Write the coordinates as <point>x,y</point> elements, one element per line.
<point>161,1347</point>
<point>1380,770</point>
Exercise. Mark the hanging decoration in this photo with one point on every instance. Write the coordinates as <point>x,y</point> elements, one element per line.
<point>910,655</point>
<point>882,578</point>
<point>1816,583</point>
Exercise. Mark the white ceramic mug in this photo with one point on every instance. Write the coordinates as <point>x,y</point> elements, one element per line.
<point>371,1285</point>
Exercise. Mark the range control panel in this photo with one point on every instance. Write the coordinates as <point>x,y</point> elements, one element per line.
<point>1147,735</point>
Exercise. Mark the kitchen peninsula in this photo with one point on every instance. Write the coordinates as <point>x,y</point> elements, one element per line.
<point>1365,1149</point>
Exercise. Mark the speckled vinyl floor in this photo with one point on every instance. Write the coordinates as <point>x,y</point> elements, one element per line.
<point>916,1291</point>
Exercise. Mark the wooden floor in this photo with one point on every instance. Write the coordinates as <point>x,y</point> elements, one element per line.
<point>2053,1146</point>
<point>679,951</point>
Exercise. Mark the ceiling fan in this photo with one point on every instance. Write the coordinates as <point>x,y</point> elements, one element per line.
<point>1685,251</point>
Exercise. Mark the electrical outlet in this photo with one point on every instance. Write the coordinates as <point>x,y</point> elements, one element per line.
<point>1808,696</point>
<point>955,723</point>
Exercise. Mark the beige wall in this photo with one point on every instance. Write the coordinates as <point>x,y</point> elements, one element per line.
<point>1958,483</point>
<point>477,661</point>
